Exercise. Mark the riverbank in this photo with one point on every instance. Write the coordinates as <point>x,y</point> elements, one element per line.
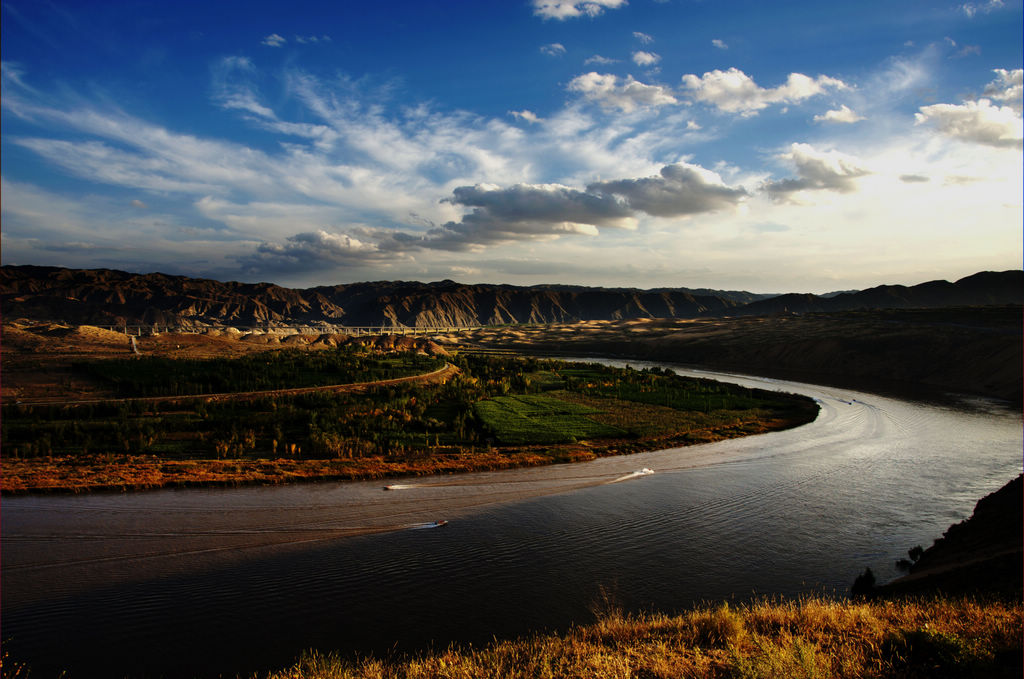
<point>807,638</point>
<point>130,473</point>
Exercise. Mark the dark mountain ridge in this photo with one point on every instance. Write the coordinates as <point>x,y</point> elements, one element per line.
<point>981,289</point>
<point>111,297</point>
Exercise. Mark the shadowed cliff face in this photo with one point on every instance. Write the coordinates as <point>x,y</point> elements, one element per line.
<point>107,297</point>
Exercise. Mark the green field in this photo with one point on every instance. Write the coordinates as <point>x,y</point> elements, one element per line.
<point>493,405</point>
<point>518,420</point>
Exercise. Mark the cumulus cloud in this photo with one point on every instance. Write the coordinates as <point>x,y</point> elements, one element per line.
<point>571,9</point>
<point>532,212</point>
<point>643,37</point>
<point>679,190</point>
<point>524,212</point>
<point>274,40</point>
<point>598,59</point>
<point>817,170</point>
<point>734,91</point>
<point>843,114</point>
<point>641,58</point>
<point>979,122</point>
<point>720,44</point>
<point>139,204</point>
<point>626,95</point>
<point>312,39</point>
<point>1008,87</point>
<point>555,49</point>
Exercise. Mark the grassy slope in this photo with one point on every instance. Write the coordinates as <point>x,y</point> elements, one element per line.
<point>808,638</point>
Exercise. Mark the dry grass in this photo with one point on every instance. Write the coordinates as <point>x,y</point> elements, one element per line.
<point>58,474</point>
<point>807,638</point>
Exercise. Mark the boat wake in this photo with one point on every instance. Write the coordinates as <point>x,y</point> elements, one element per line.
<point>429,524</point>
<point>401,486</point>
<point>633,475</point>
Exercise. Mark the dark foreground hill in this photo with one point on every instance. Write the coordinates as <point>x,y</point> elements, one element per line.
<point>109,297</point>
<point>983,554</point>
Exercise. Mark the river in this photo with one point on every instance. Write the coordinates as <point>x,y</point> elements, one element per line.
<point>200,582</point>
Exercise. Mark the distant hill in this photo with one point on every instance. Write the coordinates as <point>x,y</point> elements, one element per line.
<point>110,297</point>
<point>981,289</point>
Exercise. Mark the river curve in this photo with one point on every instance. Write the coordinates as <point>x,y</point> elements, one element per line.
<point>202,581</point>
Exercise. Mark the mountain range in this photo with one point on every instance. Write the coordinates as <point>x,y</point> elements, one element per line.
<point>111,297</point>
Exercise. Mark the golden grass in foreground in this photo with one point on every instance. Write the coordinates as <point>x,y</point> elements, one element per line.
<point>808,638</point>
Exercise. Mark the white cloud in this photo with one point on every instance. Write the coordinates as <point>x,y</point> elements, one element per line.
<point>312,39</point>
<point>274,40</point>
<point>528,116</point>
<point>627,95</point>
<point>817,170</point>
<point>971,8</point>
<point>734,91</point>
<point>233,87</point>
<point>720,44</point>
<point>978,121</point>
<point>643,37</point>
<point>598,59</point>
<point>571,9</point>
<point>261,218</point>
<point>329,157</point>
<point>641,58</point>
<point>843,114</point>
<point>555,49</point>
<point>139,204</point>
<point>1008,87</point>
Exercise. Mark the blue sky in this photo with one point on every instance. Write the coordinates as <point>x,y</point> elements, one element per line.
<point>773,147</point>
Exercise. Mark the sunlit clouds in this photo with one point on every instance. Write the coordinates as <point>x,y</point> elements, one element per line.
<point>733,91</point>
<point>608,150</point>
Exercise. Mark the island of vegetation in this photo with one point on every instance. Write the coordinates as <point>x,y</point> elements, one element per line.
<point>357,410</point>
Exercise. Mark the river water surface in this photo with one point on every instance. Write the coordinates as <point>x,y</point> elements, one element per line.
<point>194,583</point>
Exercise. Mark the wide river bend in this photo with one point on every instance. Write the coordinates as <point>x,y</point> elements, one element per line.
<point>199,582</point>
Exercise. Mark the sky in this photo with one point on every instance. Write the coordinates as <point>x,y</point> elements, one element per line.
<point>744,145</point>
